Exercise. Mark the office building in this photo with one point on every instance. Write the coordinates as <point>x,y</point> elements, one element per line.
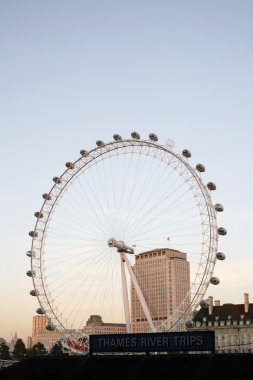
<point>29,342</point>
<point>40,334</point>
<point>95,325</point>
<point>164,278</point>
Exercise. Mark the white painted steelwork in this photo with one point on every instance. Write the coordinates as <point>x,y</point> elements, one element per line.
<point>140,192</point>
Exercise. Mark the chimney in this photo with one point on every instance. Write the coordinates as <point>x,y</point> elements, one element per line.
<point>210,305</point>
<point>246,302</point>
<point>217,303</point>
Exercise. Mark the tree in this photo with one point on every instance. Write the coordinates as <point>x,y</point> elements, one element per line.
<point>29,352</point>
<point>19,349</point>
<point>39,349</point>
<point>4,352</point>
<point>57,349</point>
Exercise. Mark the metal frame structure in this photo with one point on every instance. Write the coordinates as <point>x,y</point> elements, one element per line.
<point>191,176</point>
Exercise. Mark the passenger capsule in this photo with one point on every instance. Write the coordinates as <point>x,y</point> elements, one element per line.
<point>50,327</point>
<point>34,293</point>
<point>30,273</point>
<point>47,197</point>
<point>222,231</point>
<point>190,324</point>
<point>220,256</point>
<point>40,311</point>
<point>135,135</point>
<point>111,242</point>
<point>38,214</point>
<point>153,137</point>
<point>100,143</point>
<point>70,165</point>
<point>218,207</point>
<point>57,180</point>
<point>204,303</point>
<point>84,152</point>
<point>33,233</point>
<point>211,186</point>
<point>186,153</point>
<point>214,280</point>
<point>200,168</point>
<point>30,254</point>
<point>117,137</point>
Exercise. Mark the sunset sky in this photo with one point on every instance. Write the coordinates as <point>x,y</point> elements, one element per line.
<point>73,72</point>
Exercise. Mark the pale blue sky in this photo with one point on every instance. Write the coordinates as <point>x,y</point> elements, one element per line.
<point>74,71</point>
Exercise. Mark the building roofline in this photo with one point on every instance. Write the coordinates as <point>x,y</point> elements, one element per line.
<point>160,249</point>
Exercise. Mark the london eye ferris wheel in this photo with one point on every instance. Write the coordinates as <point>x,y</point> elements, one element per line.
<point>115,202</point>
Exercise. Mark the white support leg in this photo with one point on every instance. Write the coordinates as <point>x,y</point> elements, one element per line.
<point>139,293</point>
<point>125,294</point>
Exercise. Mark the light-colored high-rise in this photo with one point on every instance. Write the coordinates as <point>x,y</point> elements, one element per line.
<point>164,278</point>
<point>40,334</point>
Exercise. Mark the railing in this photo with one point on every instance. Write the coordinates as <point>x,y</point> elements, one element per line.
<point>7,363</point>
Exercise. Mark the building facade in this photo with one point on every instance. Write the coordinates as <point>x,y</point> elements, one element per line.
<point>164,278</point>
<point>95,325</point>
<point>232,324</point>
<point>29,342</point>
<point>13,341</point>
<point>40,334</point>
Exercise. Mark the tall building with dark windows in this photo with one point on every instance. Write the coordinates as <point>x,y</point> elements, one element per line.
<point>164,278</point>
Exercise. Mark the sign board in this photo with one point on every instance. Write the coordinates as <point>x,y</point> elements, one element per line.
<point>153,342</point>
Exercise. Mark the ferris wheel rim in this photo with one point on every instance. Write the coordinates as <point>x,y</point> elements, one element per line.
<point>48,208</point>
